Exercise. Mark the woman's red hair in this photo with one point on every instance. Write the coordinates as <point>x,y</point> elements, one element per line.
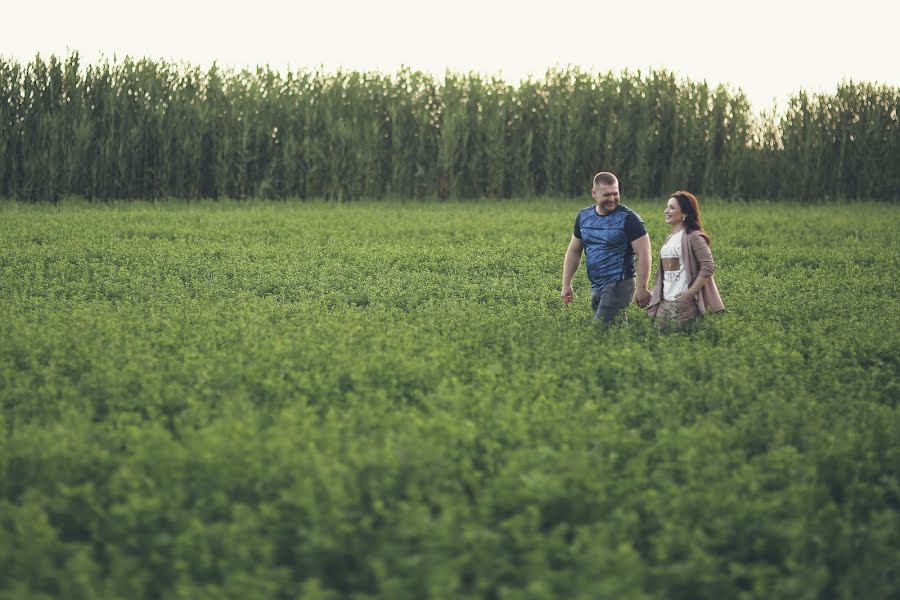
<point>691,209</point>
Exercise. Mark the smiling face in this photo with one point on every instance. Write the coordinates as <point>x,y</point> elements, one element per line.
<point>606,196</point>
<point>673,212</point>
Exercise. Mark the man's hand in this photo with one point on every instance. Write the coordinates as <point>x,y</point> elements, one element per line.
<point>567,294</point>
<point>641,247</point>
<point>642,297</point>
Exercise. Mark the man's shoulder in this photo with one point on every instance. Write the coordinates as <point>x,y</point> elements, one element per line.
<point>586,212</point>
<point>628,212</point>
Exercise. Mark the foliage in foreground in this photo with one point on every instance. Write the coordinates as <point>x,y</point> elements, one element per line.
<point>311,401</point>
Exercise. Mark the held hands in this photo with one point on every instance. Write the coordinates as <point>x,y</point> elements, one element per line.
<point>642,297</point>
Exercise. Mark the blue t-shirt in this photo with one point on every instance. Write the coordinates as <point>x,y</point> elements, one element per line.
<point>607,243</point>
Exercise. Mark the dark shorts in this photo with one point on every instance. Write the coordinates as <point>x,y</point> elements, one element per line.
<point>612,299</point>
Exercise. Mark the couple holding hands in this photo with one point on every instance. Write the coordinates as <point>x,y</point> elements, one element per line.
<point>610,235</point>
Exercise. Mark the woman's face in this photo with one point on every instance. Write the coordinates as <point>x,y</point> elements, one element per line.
<point>673,212</point>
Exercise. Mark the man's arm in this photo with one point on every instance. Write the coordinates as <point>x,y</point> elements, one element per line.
<point>570,265</point>
<point>641,247</point>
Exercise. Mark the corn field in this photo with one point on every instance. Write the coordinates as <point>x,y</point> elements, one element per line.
<point>155,129</point>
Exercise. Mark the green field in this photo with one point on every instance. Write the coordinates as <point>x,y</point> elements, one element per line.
<point>388,400</point>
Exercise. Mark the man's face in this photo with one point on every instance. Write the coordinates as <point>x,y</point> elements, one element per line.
<point>606,196</point>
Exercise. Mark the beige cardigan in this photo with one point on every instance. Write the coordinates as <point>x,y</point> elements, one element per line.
<point>698,260</point>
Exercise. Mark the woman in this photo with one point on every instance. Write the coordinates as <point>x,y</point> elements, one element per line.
<point>684,287</point>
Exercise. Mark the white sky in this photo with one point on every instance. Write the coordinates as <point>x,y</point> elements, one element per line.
<point>769,48</point>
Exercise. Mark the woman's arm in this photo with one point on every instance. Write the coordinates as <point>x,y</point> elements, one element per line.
<point>701,251</point>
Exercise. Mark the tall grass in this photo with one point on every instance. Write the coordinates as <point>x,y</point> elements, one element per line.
<point>155,129</point>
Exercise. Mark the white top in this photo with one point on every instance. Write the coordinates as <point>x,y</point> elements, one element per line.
<point>672,263</point>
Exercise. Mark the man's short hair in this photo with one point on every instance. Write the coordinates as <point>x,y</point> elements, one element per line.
<point>605,178</point>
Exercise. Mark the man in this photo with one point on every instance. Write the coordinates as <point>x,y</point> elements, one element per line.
<point>610,235</point>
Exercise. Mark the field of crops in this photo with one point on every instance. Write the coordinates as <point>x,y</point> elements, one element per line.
<point>144,128</point>
<point>388,400</point>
